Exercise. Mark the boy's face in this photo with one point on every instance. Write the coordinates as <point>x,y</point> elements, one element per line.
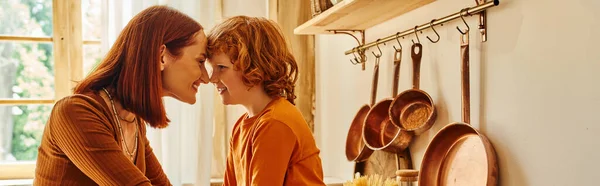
<point>228,81</point>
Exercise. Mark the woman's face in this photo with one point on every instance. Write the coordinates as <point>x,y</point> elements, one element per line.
<point>182,75</point>
<point>228,82</point>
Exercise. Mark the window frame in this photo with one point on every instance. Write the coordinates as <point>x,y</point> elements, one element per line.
<point>67,40</point>
<point>68,44</point>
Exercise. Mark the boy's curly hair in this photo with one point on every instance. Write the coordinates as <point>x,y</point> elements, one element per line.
<point>258,48</point>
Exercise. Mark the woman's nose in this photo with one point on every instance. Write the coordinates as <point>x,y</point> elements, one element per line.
<point>204,77</point>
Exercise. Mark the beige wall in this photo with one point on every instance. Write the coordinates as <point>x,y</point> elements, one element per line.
<point>534,87</point>
<point>244,7</point>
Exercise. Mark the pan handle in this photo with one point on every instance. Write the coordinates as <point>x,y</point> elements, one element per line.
<point>416,58</point>
<point>466,95</point>
<point>375,81</point>
<point>397,61</point>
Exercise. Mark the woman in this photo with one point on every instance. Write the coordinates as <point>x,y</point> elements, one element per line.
<point>98,135</point>
<point>271,144</point>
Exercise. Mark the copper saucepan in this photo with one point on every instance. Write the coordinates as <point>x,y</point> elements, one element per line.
<point>356,150</point>
<point>459,154</point>
<point>413,110</point>
<point>379,133</point>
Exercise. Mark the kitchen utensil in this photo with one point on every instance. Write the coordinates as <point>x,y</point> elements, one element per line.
<point>379,133</point>
<point>459,154</point>
<point>413,110</point>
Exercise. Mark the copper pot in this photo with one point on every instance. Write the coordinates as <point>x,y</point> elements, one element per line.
<point>459,154</point>
<point>413,110</point>
<point>379,133</point>
<point>356,150</point>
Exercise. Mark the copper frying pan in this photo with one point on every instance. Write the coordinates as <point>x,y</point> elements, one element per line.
<point>379,133</point>
<point>356,150</point>
<point>459,154</point>
<point>413,110</point>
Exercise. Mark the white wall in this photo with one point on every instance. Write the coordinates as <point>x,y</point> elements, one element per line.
<point>534,89</point>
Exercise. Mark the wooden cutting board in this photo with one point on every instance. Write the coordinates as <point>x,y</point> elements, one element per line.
<point>385,164</point>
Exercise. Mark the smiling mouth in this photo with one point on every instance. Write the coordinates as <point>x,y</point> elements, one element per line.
<point>195,87</point>
<point>221,90</point>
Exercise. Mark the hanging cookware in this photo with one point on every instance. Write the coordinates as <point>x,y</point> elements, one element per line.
<point>378,132</point>
<point>459,154</point>
<point>356,150</point>
<point>413,109</point>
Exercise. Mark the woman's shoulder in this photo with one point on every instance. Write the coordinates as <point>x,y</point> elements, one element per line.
<point>81,111</point>
<point>78,104</point>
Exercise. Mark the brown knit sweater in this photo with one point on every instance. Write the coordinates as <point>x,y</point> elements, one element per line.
<point>80,146</point>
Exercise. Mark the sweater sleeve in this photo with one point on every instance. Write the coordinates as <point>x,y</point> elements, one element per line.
<point>273,145</point>
<point>84,135</point>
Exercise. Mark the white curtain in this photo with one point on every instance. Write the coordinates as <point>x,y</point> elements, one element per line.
<point>185,147</point>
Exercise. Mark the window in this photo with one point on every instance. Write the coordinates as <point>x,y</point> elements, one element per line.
<point>35,72</point>
<point>91,18</point>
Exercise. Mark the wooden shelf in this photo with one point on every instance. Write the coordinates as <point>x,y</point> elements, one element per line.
<point>357,15</point>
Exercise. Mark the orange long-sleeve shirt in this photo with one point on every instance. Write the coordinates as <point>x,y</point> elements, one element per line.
<point>275,147</point>
<point>80,146</point>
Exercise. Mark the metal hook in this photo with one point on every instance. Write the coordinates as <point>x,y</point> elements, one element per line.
<point>463,19</point>
<point>438,35</point>
<point>355,58</point>
<point>418,40</point>
<point>380,53</point>
<point>398,49</point>
<point>353,62</point>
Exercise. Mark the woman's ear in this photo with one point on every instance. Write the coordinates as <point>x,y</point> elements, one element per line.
<point>163,52</point>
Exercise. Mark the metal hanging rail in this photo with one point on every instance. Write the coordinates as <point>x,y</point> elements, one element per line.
<point>464,12</point>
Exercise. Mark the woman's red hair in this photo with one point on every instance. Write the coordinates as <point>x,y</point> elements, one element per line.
<point>131,69</point>
<point>259,49</point>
